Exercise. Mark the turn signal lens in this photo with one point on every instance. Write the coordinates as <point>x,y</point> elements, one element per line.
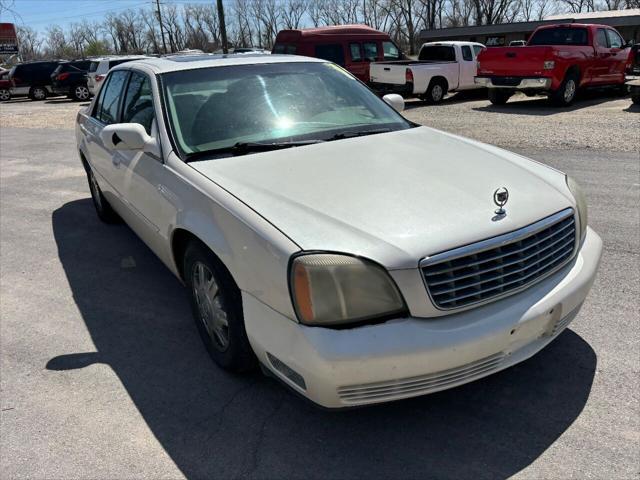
<point>581,205</point>
<point>331,289</point>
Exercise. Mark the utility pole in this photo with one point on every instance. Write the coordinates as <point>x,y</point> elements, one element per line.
<point>223,27</point>
<point>164,45</point>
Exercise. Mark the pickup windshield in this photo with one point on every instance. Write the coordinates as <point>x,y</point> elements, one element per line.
<point>560,36</point>
<point>214,109</point>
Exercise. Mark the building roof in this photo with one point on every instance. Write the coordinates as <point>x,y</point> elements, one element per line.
<point>614,18</point>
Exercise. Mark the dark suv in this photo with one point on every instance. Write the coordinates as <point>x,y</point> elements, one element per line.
<point>33,79</point>
<point>70,79</point>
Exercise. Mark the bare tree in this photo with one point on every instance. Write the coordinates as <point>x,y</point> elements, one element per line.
<point>292,13</point>
<point>28,42</point>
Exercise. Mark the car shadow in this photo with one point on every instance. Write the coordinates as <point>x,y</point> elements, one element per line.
<point>541,106</point>
<point>633,108</point>
<point>212,423</point>
<point>57,100</point>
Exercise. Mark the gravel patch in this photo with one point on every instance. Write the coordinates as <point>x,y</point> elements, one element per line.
<point>599,122</point>
<point>52,113</point>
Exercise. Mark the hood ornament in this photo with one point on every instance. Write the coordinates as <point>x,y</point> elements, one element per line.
<point>500,198</point>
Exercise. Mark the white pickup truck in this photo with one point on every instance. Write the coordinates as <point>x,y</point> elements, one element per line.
<point>441,67</point>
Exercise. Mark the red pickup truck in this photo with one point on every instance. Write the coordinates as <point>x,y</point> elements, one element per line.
<point>557,60</point>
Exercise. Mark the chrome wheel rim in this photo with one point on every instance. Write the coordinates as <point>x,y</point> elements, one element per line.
<point>38,93</point>
<point>436,93</point>
<point>95,191</point>
<point>4,95</point>
<point>210,308</point>
<point>82,93</point>
<point>569,90</point>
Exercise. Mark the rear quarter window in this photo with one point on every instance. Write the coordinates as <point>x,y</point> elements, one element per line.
<point>570,36</point>
<point>437,53</point>
<point>93,66</point>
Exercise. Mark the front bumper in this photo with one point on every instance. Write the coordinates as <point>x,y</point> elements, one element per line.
<point>515,83</point>
<point>407,357</point>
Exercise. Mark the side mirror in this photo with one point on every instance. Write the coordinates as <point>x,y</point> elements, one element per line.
<point>128,136</point>
<point>395,101</point>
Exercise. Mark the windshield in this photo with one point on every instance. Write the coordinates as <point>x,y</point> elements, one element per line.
<point>560,36</point>
<point>216,108</point>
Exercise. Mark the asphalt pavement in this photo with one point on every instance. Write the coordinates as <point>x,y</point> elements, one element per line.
<point>103,375</point>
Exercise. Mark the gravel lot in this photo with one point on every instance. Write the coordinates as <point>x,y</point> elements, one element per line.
<point>522,123</point>
<point>103,374</point>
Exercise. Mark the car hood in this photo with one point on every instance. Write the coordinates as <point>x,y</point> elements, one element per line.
<point>395,197</point>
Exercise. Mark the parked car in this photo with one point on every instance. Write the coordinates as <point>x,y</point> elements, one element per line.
<point>33,79</point>
<point>5,86</point>
<point>557,61</point>
<point>100,66</point>
<point>633,73</point>
<point>70,79</point>
<point>353,47</point>
<point>441,67</point>
<point>517,43</point>
<point>316,237</point>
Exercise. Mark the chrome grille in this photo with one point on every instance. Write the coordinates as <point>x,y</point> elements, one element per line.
<point>407,387</point>
<point>501,265</point>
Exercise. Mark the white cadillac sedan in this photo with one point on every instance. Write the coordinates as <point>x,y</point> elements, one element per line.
<point>356,256</point>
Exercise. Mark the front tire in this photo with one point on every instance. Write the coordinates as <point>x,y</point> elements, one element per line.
<point>5,95</point>
<point>37,93</point>
<point>499,96</point>
<point>104,210</point>
<point>81,93</point>
<point>566,94</point>
<point>216,305</point>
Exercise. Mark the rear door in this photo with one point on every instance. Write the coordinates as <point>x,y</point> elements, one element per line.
<point>467,68</point>
<point>356,63</point>
<point>617,57</point>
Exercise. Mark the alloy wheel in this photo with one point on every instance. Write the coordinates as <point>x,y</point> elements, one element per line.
<point>436,93</point>
<point>39,94</point>
<point>4,95</point>
<point>210,305</point>
<point>569,90</point>
<point>81,92</point>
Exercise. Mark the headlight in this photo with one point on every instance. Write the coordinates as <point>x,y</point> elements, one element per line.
<point>549,65</point>
<point>330,289</point>
<point>581,204</point>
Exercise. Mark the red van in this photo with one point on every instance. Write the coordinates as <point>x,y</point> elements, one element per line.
<point>350,46</point>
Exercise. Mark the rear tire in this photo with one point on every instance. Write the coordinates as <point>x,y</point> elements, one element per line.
<point>566,94</point>
<point>436,92</point>
<point>37,93</point>
<point>216,304</point>
<point>5,94</point>
<point>105,212</point>
<point>499,96</point>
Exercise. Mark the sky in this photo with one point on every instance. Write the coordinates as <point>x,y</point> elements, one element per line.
<point>38,14</point>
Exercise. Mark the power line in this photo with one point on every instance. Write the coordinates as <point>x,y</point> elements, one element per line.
<point>54,19</point>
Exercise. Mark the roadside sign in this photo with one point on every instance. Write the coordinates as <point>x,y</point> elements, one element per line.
<point>8,39</point>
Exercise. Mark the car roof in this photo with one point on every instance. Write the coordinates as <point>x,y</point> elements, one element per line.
<point>190,62</point>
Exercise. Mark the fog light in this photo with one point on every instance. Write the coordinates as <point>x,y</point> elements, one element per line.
<point>287,371</point>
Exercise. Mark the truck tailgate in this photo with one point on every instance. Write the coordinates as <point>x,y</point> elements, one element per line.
<point>513,61</point>
<point>387,73</point>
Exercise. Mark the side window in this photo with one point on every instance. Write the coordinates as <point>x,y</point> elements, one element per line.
<point>466,53</point>
<point>109,101</point>
<point>354,49</point>
<point>138,104</point>
<point>391,52</point>
<point>332,52</point>
<point>615,40</point>
<point>370,51</point>
<point>477,49</point>
<point>601,38</point>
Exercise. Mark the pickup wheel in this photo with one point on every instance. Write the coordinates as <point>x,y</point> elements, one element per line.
<point>216,304</point>
<point>566,94</point>
<point>498,96</point>
<point>436,92</point>
<point>37,93</point>
<point>104,210</point>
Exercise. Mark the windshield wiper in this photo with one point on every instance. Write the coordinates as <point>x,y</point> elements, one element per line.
<point>357,133</point>
<point>242,148</point>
